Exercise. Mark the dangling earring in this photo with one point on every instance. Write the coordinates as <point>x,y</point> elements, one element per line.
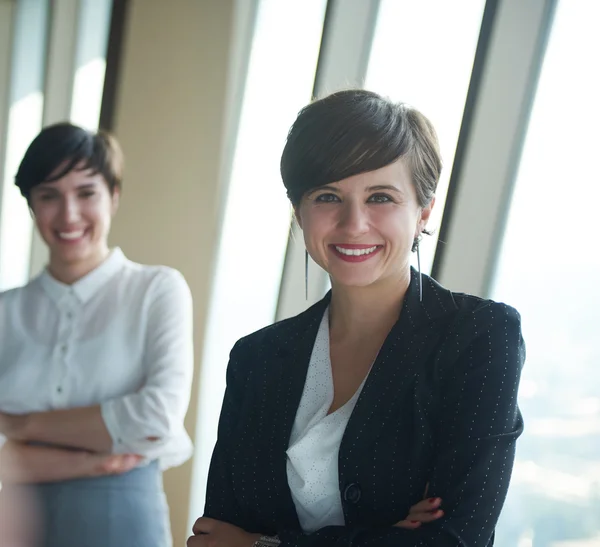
<point>305,274</point>
<point>416,246</point>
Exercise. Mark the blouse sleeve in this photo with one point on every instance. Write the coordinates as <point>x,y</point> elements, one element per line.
<point>146,421</point>
<point>479,423</point>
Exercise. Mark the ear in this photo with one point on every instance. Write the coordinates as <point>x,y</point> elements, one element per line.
<point>115,200</point>
<point>424,217</point>
<point>297,216</point>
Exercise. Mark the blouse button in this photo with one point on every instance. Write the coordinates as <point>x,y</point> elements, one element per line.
<point>352,493</point>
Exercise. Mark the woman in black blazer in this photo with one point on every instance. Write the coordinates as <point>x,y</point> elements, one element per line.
<point>427,379</point>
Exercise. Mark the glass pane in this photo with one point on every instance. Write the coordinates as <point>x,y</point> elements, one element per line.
<point>26,102</point>
<point>90,65</point>
<point>257,213</point>
<point>549,268</point>
<point>423,55</point>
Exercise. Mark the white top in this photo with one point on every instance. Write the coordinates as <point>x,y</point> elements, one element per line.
<point>312,463</point>
<point>121,337</point>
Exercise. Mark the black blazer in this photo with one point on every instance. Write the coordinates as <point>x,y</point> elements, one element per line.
<point>439,407</point>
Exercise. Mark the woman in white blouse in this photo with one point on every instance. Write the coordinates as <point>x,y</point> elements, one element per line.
<point>337,423</point>
<point>96,358</point>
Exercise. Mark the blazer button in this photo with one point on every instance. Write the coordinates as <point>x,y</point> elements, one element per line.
<point>352,493</point>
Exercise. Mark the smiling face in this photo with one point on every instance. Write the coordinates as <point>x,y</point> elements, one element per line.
<point>361,229</point>
<point>73,215</point>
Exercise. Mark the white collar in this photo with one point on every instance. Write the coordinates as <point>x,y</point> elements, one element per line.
<point>86,287</point>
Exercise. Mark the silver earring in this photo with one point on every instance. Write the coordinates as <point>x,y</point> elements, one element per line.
<point>305,274</point>
<point>420,275</point>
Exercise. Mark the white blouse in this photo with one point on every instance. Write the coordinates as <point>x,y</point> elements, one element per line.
<point>312,456</point>
<point>120,337</point>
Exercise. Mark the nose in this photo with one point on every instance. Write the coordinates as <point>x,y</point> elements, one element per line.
<point>70,210</point>
<point>354,218</point>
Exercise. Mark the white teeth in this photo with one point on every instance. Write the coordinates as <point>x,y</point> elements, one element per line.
<point>71,235</point>
<point>355,252</point>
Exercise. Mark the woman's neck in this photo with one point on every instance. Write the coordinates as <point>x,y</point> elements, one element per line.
<point>359,311</point>
<point>71,272</point>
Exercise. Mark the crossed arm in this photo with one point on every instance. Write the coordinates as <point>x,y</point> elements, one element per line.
<point>81,429</point>
<point>479,425</point>
<point>115,435</point>
<point>24,463</point>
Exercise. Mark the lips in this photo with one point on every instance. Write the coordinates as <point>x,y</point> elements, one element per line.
<point>70,236</point>
<point>355,253</point>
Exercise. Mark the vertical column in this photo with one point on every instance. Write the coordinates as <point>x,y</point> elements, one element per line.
<point>343,60</point>
<point>90,62</point>
<point>58,90</point>
<point>76,64</point>
<point>283,54</point>
<point>492,152</point>
<point>170,114</point>
<point>7,13</point>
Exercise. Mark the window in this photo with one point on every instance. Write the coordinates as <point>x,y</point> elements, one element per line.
<point>549,269</point>
<point>257,213</point>
<point>26,103</point>
<point>42,82</point>
<point>90,62</point>
<point>422,54</point>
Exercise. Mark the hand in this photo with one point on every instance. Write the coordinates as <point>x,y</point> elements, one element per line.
<point>12,426</point>
<point>425,511</point>
<point>112,464</point>
<point>215,533</point>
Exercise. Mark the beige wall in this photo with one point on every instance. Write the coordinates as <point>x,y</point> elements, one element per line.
<point>170,120</point>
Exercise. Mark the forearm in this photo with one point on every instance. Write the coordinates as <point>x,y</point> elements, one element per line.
<point>22,463</point>
<point>430,535</point>
<point>81,428</point>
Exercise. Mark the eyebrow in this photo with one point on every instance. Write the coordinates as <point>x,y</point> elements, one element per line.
<point>47,186</point>
<point>321,188</point>
<point>381,187</point>
<point>376,188</point>
<point>87,185</point>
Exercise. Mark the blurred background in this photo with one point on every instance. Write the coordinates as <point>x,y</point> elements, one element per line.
<point>201,93</point>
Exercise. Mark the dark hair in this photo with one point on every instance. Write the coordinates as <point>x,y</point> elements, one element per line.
<point>356,131</point>
<point>67,145</point>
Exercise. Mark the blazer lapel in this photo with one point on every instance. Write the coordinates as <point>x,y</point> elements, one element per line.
<point>399,359</point>
<point>404,351</point>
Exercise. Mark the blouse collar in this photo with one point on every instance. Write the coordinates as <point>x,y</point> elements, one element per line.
<point>86,287</point>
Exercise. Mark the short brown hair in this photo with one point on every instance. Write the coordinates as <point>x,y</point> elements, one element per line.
<point>356,131</point>
<point>69,145</point>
